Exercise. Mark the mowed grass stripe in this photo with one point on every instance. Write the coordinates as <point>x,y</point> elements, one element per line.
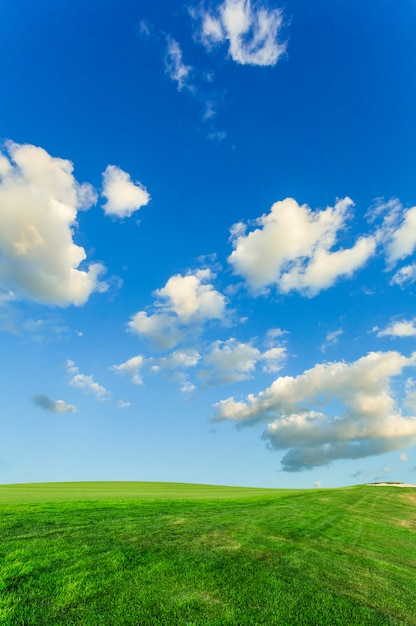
<point>318,557</point>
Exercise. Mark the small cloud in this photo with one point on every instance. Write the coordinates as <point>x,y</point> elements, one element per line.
<point>403,457</point>
<point>81,381</point>
<point>399,329</point>
<point>131,368</point>
<point>56,406</point>
<point>331,338</point>
<point>123,405</point>
<point>317,484</point>
<point>404,275</point>
<point>174,65</point>
<point>185,303</point>
<point>123,196</point>
<point>252,32</point>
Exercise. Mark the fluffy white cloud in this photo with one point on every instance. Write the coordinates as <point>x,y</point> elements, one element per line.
<point>252,31</point>
<point>184,302</point>
<point>231,361</point>
<point>81,381</point>
<point>39,200</point>
<point>399,329</point>
<point>174,65</point>
<point>361,417</point>
<point>292,248</point>
<point>123,196</point>
<point>178,360</point>
<point>56,406</point>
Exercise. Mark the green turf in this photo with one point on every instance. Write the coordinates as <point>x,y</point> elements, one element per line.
<point>148,554</point>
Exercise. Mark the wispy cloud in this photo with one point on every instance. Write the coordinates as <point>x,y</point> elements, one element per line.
<point>365,421</point>
<point>251,31</point>
<point>331,338</point>
<point>82,381</point>
<point>56,406</point>
<point>175,67</point>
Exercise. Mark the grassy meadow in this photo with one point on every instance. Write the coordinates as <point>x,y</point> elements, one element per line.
<point>150,554</point>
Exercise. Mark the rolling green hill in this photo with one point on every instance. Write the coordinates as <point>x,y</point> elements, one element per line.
<point>150,554</point>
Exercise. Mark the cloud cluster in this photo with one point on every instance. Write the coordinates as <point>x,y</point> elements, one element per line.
<point>174,365</point>
<point>56,406</point>
<point>361,417</point>
<point>183,305</point>
<point>292,248</point>
<point>39,200</point>
<point>123,196</point>
<point>252,32</point>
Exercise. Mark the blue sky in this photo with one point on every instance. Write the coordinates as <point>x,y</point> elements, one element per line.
<point>207,241</point>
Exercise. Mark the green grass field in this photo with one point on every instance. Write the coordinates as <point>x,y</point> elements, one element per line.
<point>147,554</point>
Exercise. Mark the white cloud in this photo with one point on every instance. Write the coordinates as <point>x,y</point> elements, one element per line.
<point>174,65</point>
<point>361,417</point>
<point>403,457</point>
<point>231,361</point>
<point>292,248</point>
<point>178,360</point>
<point>39,200</point>
<point>81,381</point>
<point>184,302</point>
<point>331,338</point>
<point>123,196</point>
<point>131,368</point>
<point>406,274</point>
<point>403,239</point>
<point>399,329</point>
<point>251,31</point>
<point>123,405</point>
<point>317,484</point>
<point>397,234</point>
<point>56,406</point>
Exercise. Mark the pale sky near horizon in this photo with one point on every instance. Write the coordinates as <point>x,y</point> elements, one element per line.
<point>207,241</point>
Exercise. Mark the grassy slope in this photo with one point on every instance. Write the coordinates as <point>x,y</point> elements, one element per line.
<point>151,554</point>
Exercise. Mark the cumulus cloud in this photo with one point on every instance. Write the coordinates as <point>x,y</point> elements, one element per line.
<point>81,381</point>
<point>184,302</point>
<point>404,328</point>
<point>332,411</point>
<point>231,361</point>
<point>252,31</point>
<point>292,248</point>
<point>174,65</point>
<point>56,406</point>
<point>123,196</point>
<point>39,200</point>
